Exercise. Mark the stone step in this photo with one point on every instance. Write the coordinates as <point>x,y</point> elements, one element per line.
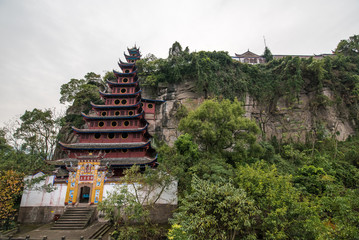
<point>66,228</point>
<point>100,232</point>
<point>71,222</point>
<point>74,218</point>
<point>71,219</point>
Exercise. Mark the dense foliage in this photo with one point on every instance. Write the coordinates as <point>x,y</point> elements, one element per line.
<point>293,192</point>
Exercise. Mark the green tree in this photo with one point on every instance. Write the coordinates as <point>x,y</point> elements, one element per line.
<point>217,125</point>
<point>215,211</point>
<point>285,214</point>
<point>38,130</point>
<point>349,47</point>
<point>133,202</point>
<point>267,54</point>
<point>82,89</point>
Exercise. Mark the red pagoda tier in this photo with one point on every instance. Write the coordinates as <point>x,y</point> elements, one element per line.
<point>115,135</point>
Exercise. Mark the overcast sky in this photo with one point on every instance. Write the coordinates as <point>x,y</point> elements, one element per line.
<point>45,43</point>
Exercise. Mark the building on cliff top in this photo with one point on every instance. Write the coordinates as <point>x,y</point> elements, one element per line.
<point>252,58</point>
<point>114,138</point>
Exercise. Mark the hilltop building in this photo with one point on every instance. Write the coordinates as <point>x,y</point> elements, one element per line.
<point>252,58</point>
<point>114,138</point>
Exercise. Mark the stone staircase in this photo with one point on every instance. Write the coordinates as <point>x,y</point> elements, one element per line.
<point>74,218</point>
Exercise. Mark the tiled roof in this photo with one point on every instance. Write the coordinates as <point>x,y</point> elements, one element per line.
<point>121,84</point>
<point>247,54</point>
<point>109,130</point>
<point>118,94</point>
<point>104,146</point>
<point>105,161</point>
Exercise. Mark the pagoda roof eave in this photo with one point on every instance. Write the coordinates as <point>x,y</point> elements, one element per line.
<point>109,130</point>
<point>110,117</point>
<point>124,74</point>
<point>134,49</point>
<point>121,84</point>
<point>107,161</point>
<point>119,94</point>
<point>132,57</point>
<point>104,146</point>
<point>125,64</point>
<point>114,106</point>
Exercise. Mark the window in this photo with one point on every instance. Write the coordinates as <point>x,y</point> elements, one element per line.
<point>123,90</point>
<point>117,101</point>
<point>103,113</point>
<point>125,80</point>
<point>150,105</point>
<point>97,135</point>
<point>117,113</point>
<point>126,123</point>
<point>124,135</point>
<point>127,71</point>
<point>124,101</point>
<point>111,135</point>
<point>124,150</point>
<point>114,124</point>
<point>130,113</point>
<point>101,124</point>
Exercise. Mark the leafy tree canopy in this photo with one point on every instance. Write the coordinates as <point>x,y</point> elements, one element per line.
<point>349,47</point>
<point>38,130</point>
<point>217,125</point>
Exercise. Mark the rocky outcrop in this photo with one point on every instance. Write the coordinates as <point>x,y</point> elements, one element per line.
<point>175,95</point>
<point>298,120</point>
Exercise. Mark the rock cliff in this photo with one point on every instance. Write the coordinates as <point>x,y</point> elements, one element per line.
<point>299,120</point>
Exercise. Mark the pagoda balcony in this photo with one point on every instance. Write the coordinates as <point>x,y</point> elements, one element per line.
<point>124,124</point>
<point>117,106</point>
<point>121,92</point>
<point>105,154</point>
<point>118,117</point>
<point>112,137</point>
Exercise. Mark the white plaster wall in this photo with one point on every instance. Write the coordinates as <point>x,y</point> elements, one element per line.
<point>37,197</point>
<point>168,196</point>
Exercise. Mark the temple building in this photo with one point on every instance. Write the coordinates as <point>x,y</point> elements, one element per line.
<point>115,137</point>
<point>249,57</point>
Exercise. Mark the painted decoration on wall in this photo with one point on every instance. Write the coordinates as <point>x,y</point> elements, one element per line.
<point>71,196</point>
<point>97,195</point>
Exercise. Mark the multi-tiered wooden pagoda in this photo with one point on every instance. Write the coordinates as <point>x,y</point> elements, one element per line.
<point>114,138</point>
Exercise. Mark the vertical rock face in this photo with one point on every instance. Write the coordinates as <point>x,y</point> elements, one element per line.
<point>294,120</point>
<point>311,112</point>
<point>175,95</point>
